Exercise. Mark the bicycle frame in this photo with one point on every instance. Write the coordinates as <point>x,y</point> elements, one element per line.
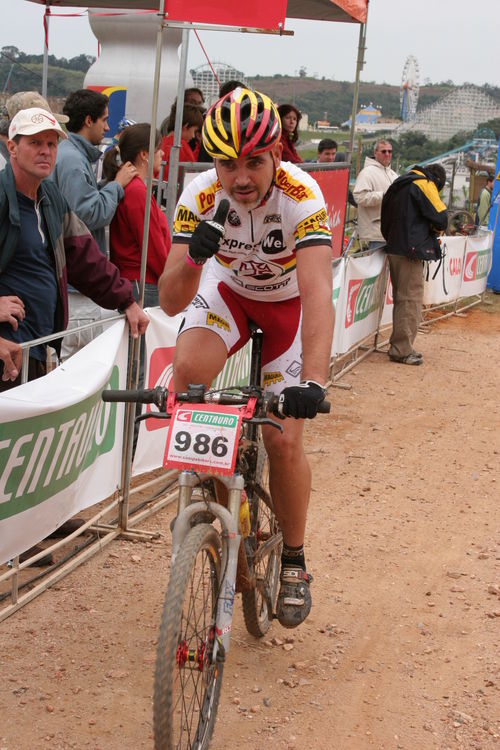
<point>230,537</point>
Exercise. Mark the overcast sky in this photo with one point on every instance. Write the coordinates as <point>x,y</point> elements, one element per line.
<point>451,39</point>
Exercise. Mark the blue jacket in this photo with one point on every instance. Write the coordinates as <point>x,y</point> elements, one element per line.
<point>77,259</point>
<point>75,178</point>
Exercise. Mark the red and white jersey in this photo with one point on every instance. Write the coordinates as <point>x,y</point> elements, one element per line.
<point>257,255</point>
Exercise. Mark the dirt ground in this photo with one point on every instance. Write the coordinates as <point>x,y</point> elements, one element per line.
<point>402,647</point>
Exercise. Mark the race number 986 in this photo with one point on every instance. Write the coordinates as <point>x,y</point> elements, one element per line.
<point>202,444</point>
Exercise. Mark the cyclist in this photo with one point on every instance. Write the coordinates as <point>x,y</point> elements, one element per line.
<point>268,261</point>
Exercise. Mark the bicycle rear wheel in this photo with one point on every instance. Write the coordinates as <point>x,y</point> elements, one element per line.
<point>187,678</point>
<point>263,547</point>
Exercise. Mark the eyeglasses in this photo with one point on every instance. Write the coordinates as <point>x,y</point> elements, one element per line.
<point>386,150</point>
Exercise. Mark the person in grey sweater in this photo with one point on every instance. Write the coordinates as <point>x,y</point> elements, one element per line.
<point>74,174</point>
<point>76,158</point>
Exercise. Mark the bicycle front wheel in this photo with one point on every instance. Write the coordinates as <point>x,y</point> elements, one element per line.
<point>263,547</point>
<point>188,678</point>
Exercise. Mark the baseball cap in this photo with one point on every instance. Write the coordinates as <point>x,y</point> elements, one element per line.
<point>32,121</point>
<point>28,100</point>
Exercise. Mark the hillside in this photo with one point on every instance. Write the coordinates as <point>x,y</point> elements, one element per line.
<point>320,97</point>
<point>22,72</point>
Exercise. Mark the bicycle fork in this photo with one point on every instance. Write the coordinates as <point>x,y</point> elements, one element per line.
<point>231,537</point>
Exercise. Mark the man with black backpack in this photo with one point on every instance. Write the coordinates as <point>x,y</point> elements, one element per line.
<point>413,215</point>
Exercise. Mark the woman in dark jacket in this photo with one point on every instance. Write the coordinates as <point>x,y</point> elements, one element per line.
<point>290,118</point>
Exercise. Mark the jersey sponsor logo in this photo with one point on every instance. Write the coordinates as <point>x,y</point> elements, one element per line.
<point>231,244</point>
<point>185,221</point>
<point>476,265</point>
<point>199,302</point>
<point>363,297</point>
<point>294,369</point>
<point>259,269</point>
<point>216,320</point>
<point>273,243</point>
<point>270,378</point>
<point>272,219</point>
<point>262,287</point>
<point>205,199</point>
<point>312,224</point>
<point>233,218</point>
<point>293,188</point>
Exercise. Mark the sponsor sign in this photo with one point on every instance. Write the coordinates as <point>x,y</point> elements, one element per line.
<point>443,278</point>
<point>268,15</point>
<point>60,444</point>
<point>161,336</point>
<point>203,438</point>
<point>45,454</point>
<point>359,303</point>
<point>333,184</point>
<point>477,264</point>
<point>363,298</point>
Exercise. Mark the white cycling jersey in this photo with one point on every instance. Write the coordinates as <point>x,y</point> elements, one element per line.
<point>257,255</point>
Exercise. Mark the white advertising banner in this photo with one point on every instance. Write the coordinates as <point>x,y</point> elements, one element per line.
<point>477,264</point>
<point>161,335</point>
<point>360,299</point>
<point>443,277</point>
<point>60,444</point>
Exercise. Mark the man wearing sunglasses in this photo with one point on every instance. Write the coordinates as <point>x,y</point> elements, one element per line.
<point>371,184</point>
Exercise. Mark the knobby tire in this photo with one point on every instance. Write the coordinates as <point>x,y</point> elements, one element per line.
<point>260,602</point>
<point>187,680</point>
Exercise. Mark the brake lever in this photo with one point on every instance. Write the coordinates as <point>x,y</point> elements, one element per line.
<point>267,420</point>
<point>152,415</point>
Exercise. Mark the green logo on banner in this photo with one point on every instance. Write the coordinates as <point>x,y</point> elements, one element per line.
<point>42,455</point>
<point>213,419</point>
<point>368,297</point>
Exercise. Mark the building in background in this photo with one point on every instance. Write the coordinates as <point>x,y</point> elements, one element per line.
<point>204,79</point>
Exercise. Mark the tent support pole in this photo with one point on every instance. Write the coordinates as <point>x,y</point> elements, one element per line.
<point>173,161</point>
<point>133,370</point>
<point>359,68</point>
<point>45,64</point>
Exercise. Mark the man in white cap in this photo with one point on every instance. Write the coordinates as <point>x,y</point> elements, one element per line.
<point>43,246</point>
<point>13,105</point>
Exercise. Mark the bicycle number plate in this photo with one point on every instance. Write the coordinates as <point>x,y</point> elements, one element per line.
<point>203,438</point>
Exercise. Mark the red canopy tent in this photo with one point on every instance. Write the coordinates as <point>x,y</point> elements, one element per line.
<point>353,11</point>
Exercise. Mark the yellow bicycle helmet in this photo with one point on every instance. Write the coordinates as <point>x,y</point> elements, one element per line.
<point>243,122</point>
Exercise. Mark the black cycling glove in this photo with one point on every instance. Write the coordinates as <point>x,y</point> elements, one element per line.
<point>301,401</point>
<point>206,237</point>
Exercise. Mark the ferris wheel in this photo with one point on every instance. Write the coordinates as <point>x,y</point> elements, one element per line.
<point>410,84</point>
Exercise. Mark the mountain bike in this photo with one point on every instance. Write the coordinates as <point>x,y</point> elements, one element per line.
<point>461,222</point>
<point>225,540</point>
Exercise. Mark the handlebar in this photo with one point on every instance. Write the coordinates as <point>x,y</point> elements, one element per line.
<point>197,394</point>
